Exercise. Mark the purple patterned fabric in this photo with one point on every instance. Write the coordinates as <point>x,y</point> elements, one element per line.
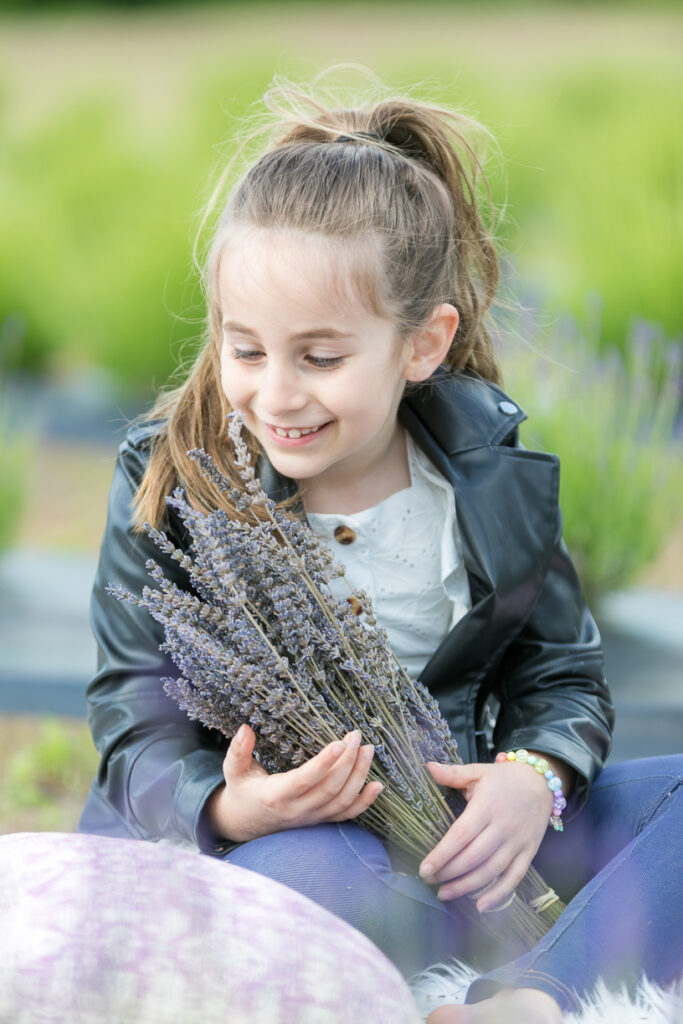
<point>106,931</point>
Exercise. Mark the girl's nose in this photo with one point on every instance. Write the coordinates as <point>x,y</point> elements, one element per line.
<point>281,391</point>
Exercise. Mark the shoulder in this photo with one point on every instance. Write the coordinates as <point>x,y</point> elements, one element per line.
<point>464,411</point>
<point>136,448</point>
<point>141,434</point>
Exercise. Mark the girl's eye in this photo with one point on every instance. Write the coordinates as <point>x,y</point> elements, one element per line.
<point>325,362</point>
<point>321,362</point>
<point>249,354</point>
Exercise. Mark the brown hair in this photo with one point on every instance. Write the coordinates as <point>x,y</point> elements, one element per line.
<point>405,176</point>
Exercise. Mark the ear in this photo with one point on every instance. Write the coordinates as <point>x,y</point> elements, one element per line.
<point>426,349</point>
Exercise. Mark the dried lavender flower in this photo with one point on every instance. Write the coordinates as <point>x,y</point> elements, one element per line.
<point>262,639</point>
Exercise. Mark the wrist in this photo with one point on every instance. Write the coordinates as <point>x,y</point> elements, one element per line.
<point>220,816</point>
<point>543,769</point>
<point>212,811</point>
<point>562,770</point>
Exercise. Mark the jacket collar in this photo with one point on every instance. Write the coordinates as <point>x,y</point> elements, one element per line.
<point>461,411</point>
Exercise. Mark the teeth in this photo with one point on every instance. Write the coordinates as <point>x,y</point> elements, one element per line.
<point>294,432</point>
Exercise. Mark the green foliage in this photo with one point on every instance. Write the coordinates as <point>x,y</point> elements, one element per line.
<point>14,462</point>
<point>99,217</point>
<point>15,452</point>
<point>594,188</point>
<point>614,429</point>
<point>56,766</point>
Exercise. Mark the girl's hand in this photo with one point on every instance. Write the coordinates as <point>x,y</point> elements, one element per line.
<point>497,835</point>
<point>328,787</point>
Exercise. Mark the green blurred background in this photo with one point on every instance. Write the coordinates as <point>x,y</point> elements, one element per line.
<point>110,123</point>
<point>114,119</point>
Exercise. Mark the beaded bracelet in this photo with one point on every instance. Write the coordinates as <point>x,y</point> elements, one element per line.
<point>540,765</point>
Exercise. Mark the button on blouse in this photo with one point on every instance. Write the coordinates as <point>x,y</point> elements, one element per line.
<point>407,554</point>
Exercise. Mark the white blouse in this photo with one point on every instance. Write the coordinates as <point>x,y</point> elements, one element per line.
<point>406,553</point>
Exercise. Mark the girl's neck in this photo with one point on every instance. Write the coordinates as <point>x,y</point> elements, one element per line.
<point>362,491</point>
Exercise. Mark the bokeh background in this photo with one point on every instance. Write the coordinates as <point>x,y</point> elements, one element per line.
<point>114,121</point>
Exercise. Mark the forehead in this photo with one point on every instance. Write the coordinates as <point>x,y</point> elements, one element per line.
<point>308,273</point>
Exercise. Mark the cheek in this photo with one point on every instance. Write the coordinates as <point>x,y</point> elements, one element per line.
<point>225,380</point>
<point>230,378</point>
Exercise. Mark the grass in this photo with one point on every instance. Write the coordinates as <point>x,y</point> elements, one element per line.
<point>46,767</point>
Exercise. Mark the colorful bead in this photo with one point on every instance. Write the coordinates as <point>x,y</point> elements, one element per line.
<point>554,782</point>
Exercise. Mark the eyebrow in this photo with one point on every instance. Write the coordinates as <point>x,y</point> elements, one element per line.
<point>316,332</point>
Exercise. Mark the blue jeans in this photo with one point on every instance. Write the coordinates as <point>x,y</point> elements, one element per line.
<point>619,862</point>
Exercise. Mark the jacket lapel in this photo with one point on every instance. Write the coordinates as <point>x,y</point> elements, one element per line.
<point>506,507</point>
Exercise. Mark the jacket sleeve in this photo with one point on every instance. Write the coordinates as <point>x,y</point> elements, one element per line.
<point>157,767</point>
<point>553,693</point>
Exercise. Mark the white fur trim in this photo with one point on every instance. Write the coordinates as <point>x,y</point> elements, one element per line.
<point>446,984</point>
<point>443,984</point>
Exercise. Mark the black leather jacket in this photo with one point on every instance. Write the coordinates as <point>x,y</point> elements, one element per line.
<point>528,644</point>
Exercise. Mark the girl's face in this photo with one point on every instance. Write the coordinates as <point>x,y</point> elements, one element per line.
<point>318,378</point>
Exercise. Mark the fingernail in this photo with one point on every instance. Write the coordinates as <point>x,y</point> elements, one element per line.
<point>444,894</point>
<point>239,735</point>
<point>355,738</point>
<point>367,753</point>
<point>426,869</point>
<point>338,748</point>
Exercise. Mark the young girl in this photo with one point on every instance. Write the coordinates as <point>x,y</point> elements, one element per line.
<point>348,286</point>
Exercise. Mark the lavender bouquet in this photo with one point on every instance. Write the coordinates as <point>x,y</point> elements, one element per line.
<point>263,640</point>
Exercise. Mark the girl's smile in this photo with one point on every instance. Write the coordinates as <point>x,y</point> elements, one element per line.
<point>317,375</point>
<point>285,435</point>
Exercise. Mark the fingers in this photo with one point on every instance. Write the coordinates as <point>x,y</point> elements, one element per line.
<point>308,775</point>
<point>351,799</point>
<point>506,884</point>
<point>488,871</point>
<point>329,788</point>
<point>476,853</point>
<point>461,833</point>
<point>345,778</point>
<point>238,759</point>
<point>360,804</point>
<point>457,776</point>
<point>323,777</point>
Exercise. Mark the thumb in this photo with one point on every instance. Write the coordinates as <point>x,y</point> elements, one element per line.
<point>457,776</point>
<point>238,759</point>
